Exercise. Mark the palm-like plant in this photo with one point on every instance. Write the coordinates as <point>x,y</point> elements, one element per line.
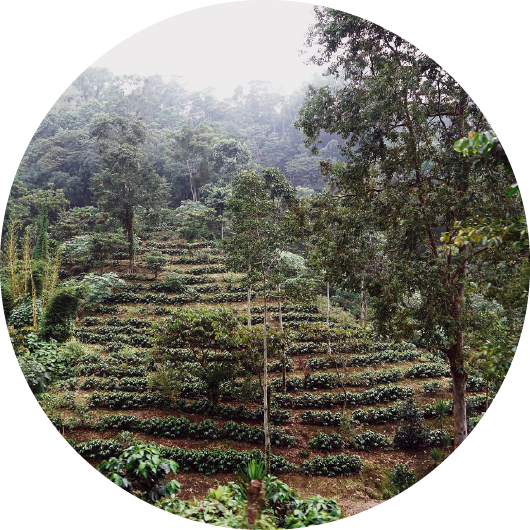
<point>441,409</point>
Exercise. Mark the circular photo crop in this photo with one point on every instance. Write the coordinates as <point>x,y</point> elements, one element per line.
<point>268,285</point>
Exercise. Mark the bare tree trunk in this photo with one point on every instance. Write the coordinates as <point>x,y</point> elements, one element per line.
<point>327,316</point>
<point>249,294</point>
<point>130,238</point>
<point>266,399</point>
<point>327,304</point>
<point>222,229</point>
<point>280,309</point>
<point>459,398</point>
<point>192,187</point>
<point>456,362</point>
<point>364,309</point>
<point>284,355</point>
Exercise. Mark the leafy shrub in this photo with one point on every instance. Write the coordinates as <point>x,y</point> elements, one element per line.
<point>22,314</point>
<point>230,412</point>
<point>413,432</point>
<point>128,400</point>
<point>370,441</point>
<point>473,421</point>
<point>140,469</point>
<point>155,261</point>
<point>326,442</point>
<point>312,511</point>
<point>475,383</point>
<point>60,313</point>
<point>427,370</point>
<point>431,387</point>
<point>98,287</point>
<point>379,394</point>
<point>402,478</point>
<point>342,464</point>
<point>35,373</point>
<point>206,461</point>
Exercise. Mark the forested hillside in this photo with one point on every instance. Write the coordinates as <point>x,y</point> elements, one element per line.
<point>268,289</point>
<point>193,138</point>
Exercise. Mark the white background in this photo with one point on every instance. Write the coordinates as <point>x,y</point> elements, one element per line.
<point>45,45</point>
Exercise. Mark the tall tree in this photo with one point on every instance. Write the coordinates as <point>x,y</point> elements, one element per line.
<point>399,114</point>
<point>127,179</point>
<point>259,234</point>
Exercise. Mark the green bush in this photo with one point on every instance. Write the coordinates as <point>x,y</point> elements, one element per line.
<point>413,432</point>
<point>8,301</point>
<point>140,470</point>
<point>401,478</point>
<point>36,375</point>
<point>60,313</point>
<point>22,313</point>
<point>326,442</point>
<point>341,464</point>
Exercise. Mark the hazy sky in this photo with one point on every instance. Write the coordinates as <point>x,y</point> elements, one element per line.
<point>222,46</point>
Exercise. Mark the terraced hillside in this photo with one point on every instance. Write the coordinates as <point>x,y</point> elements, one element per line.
<point>316,447</point>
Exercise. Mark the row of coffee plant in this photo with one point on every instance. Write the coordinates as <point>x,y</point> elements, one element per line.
<point>180,427</point>
<point>205,461</point>
<point>379,394</point>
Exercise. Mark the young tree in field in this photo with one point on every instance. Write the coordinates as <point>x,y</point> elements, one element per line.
<point>260,232</point>
<point>215,196</point>
<point>155,261</point>
<point>399,114</point>
<point>194,220</point>
<point>291,283</point>
<point>127,181</point>
<point>205,332</point>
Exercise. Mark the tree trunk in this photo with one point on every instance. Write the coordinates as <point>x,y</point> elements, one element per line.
<point>192,187</point>
<point>364,309</point>
<point>327,316</point>
<point>255,501</point>
<point>280,309</point>
<point>266,399</point>
<point>249,294</point>
<point>456,360</point>
<point>459,376</point>
<point>130,238</point>
<point>284,355</point>
<point>327,304</point>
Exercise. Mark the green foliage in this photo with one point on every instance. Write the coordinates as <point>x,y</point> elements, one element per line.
<point>413,432</point>
<point>22,314</point>
<point>36,375</point>
<point>98,287</point>
<point>140,470</point>
<point>8,301</point>
<point>431,387</point>
<point>401,478</point>
<point>331,466</point>
<point>194,219</point>
<point>326,442</point>
<point>155,261</point>
<point>202,331</point>
<point>206,461</point>
<point>252,470</point>
<point>60,313</point>
<point>206,430</point>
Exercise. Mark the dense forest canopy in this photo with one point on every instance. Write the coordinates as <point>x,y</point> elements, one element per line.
<point>189,134</point>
